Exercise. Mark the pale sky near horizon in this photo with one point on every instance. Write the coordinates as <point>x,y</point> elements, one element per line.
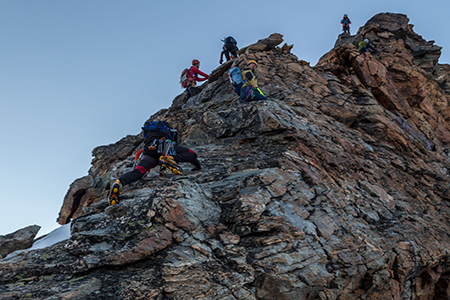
<point>75,75</point>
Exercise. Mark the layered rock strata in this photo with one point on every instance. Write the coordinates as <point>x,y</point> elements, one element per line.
<point>335,188</point>
<point>18,240</point>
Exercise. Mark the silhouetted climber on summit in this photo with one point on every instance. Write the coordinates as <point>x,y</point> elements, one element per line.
<point>346,24</point>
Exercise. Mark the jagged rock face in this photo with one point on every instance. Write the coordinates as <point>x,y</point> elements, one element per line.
<point>394,27</point>
<point>344,39</point>
<point>18,240</point>
<point>442,78</point>
<point>335,188</point>
<point>396,77</point>
<point>86,190</point>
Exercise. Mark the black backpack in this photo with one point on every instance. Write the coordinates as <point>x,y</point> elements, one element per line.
<point>229,40</point>
<point>163,129</point>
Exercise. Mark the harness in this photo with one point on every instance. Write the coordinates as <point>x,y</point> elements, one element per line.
<point>163,147</point>
<point>250,92</point>
<point>166,148</point>
<point>249,86</point>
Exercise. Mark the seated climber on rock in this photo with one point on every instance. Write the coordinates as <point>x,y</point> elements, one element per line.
<point>160,148</point>
<point>346,24</point>
<point>229,47</point>
<point>249,90</point>
<point>365,46</point>
<point>193,78</point>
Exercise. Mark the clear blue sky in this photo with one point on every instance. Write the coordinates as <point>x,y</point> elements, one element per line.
<point>79,74</point>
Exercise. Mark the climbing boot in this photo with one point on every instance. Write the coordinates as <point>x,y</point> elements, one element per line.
<point>115,192</point>
<point>197,165</point>
<point>170,163</point>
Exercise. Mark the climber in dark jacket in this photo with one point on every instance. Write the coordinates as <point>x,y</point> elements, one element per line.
<point>250,90</point>
<point>154,140</point>
<point>229,47</point>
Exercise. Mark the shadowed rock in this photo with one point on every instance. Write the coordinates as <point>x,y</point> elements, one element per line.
<point>18,240</point>
<point>335,188</point>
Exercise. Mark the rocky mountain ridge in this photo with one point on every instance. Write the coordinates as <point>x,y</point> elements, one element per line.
<point>334,188</point>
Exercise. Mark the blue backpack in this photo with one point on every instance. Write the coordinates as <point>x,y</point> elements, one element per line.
<point>235,76</point>
<point>162,126</point>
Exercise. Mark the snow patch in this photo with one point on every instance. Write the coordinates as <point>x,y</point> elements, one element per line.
<point>59,234</point>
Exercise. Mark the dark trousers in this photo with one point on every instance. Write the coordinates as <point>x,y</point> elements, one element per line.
<point>369,48</point>
<point>190,91</point>
<point>248,94</point>
<point>150,160</point>
<point>237,88</point>
<point>227,52</point>
<point>346,28</point>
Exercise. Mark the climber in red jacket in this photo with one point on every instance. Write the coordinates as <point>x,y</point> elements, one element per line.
<point>193,78</point>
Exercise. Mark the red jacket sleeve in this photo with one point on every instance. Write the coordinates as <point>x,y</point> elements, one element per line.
<point>197,72</point>
<point>199,79</point>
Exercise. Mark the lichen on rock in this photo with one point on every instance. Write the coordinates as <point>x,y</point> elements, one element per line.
<point>334,188</point>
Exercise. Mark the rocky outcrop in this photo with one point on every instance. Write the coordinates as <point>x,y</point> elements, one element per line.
<point>266,44</point>
<point>84,191</point>
<point>396,77</point>
<point>344,39</point>
<point>388,27</point>
<point>18,240</point>
<point>337,187</point>
<point>442,77</point>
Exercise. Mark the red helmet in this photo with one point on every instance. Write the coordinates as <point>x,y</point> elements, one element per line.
<point>195,62</point>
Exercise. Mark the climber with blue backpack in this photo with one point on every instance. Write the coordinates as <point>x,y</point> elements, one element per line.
<point>160,148</point>
<point>235,76</point>
<point>229,47</point>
